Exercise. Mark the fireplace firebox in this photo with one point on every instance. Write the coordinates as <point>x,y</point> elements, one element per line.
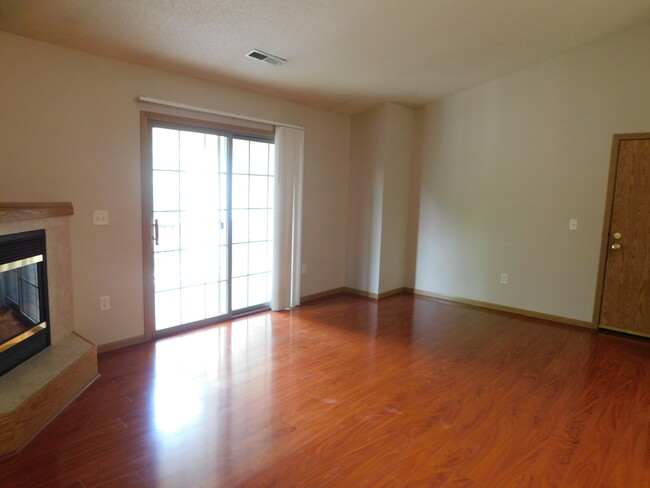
<point>24,329</point>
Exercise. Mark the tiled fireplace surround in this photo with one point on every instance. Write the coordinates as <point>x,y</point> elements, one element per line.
<point>34,392</point>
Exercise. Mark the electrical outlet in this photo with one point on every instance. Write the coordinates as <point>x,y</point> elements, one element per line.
<point>104,303</point>
<point>100,217</point>
<point>303,269</point>
<point>573,224</point>
<point>504,278</point>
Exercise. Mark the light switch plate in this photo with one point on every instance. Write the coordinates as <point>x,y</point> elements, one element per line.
<point>100,217</point>
<point>573,224</point>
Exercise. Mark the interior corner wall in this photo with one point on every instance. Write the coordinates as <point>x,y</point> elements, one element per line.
<point>70,131</point>
<point>398,157</point>
<point>504,166</point>
<point>381,151</point>
<point>365,200</point>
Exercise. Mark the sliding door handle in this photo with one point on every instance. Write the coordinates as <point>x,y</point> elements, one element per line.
<point>156,233</point>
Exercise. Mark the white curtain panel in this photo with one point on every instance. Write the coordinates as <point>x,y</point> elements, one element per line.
<point>289,148</point>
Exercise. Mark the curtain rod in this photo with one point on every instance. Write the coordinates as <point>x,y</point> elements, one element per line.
<point>213,112</point>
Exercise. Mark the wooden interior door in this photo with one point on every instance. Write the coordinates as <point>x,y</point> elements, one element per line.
<point>625,304</point>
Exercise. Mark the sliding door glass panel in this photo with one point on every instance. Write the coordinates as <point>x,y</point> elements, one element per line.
<point>252,225</point>
<point>190,209</point>
<point>213,210</point>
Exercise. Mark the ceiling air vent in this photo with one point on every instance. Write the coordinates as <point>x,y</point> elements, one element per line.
<point>265,57</point>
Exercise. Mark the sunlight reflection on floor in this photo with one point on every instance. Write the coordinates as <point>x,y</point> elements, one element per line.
<point>211,376</point>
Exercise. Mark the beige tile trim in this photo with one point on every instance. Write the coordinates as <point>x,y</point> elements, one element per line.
<point>132,341</point>
<point>322,294</point>
<point>503,308</point>
<point>390,293</point>
<point>361,293</point>
<point>375,296</point>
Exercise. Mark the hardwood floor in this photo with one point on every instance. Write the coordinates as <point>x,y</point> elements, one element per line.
<point>347,392</point>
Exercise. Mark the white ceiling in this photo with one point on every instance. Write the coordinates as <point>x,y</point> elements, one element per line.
<point>344,55</point>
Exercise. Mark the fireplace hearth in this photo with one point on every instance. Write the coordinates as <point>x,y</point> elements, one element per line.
<point>24,315</point>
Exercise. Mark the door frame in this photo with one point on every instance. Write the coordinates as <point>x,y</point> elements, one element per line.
<point>147,121</point>
<point>607,221</point>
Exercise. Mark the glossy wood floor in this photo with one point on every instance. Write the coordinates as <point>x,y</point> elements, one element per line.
<point>346,392</point>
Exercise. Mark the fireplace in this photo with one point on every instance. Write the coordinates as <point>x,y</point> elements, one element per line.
<point>24,329</point>
<point>40,319</point>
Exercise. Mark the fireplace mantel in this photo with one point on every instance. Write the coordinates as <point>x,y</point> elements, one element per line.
<point>13,211</point>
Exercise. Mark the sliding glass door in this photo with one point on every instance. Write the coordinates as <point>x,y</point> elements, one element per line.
<point>212,211</point>
<point>252,223</point>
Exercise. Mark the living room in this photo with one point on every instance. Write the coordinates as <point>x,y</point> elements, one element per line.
<point>439,198</point>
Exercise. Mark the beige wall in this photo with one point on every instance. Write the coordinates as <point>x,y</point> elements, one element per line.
<point>381,153</point>
<point>70,131</point>
<point>500,170</point>
<point>504,166</point>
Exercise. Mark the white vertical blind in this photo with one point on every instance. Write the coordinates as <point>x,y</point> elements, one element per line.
<point>289,148</point>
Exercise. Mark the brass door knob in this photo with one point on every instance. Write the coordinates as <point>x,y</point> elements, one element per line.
<point>616,247</point>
